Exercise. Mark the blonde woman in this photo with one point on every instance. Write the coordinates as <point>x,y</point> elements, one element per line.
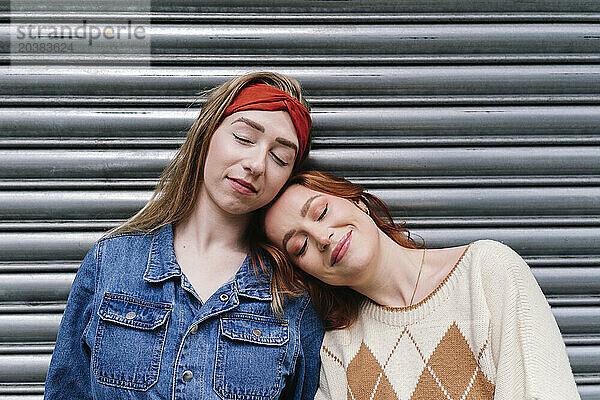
<point>177,303</point>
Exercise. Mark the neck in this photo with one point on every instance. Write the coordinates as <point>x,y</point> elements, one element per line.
<point>393,276</point>
<point>208,227</point>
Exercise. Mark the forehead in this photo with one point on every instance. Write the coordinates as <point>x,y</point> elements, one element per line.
<point>276,123</point>
<point>285,211</point>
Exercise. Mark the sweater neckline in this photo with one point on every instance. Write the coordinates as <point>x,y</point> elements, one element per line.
<point>413,313</point>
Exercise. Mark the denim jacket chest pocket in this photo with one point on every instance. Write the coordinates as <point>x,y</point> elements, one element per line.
<point>250,355</point>
<point>129,341</point>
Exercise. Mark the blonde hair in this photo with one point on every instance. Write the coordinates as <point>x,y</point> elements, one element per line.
<point>175,194</point>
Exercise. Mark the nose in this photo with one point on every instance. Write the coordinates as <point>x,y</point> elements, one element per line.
<point>254,163</point>
<point>324,240</point>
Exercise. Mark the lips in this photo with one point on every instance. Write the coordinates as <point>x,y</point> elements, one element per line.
<point>341,248</point>
<point>242,186</point>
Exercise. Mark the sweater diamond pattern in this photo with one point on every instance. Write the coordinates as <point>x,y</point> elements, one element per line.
<point>450,373</point>
<point>364,366</point>
<point>453,372</point>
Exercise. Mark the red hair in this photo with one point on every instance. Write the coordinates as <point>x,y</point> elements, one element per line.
<point>338,306</point>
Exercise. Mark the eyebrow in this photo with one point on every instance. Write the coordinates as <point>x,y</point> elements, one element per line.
<point>260,128</point>
<point>252,124</point>
<point>303,212</point>
<point>306,205</point>
<point>287,143</point>
<point>286,238</point>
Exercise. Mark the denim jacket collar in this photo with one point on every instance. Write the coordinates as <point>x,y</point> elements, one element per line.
<point>162,265</point>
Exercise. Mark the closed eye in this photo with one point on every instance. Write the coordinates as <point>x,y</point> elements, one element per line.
<point>323,213</point>
<point>278,160</point>
<point>243,140</point>
<point>303,249</point>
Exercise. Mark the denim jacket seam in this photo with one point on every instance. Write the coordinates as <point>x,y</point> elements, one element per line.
<point>97,272</point>
<point>99,255</point>
<point>255,317</point>
<point>143,303</point>
<point>158,353</point>
<point>135,324</point>
<point>123,384</point>
<point>177,361</point>
<point>298,341</point>
<point>150,250</point>
<point>97,258</point>
<point>283,339</point>
<point>124,234</point>
<point>97,338</point>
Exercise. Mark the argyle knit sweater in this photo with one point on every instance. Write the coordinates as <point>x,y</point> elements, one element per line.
<point>486,332</point>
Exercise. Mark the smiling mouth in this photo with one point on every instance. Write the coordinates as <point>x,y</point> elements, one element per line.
<point>341,248</point>
<point>242,186</point>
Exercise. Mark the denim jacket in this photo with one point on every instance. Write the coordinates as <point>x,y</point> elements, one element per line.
<point>134,328</point>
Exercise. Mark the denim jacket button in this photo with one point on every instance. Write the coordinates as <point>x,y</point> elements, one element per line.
<point>194,329</point>
<point>187,375</point>
<point>256,332</point>
<point>130,315</point>
<point>224,297</point>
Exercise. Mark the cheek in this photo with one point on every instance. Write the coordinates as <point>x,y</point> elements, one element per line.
<point>212,160</point>
<point>208,172</point>
<point>305,266</point>
<point>310,263</point>
<point>219,149</point>
<point>366,248</point>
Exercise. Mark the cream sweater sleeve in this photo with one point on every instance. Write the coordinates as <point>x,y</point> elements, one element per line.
<point>323,390</point>
<point>527,347</point>
<point>332,378</point>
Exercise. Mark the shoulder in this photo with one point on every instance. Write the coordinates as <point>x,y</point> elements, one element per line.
<point>123,246</point>
<point>301,309</point>
<point>298,308</point>
<point>493,258</point>
<point>499,270</point>
<point>505,276</point>
<point>124,257</point>
<point>126,239</point>
<point>300,305</point>
<point>494,249</point>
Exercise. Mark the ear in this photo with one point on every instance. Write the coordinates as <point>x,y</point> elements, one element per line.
<point>361,204</point>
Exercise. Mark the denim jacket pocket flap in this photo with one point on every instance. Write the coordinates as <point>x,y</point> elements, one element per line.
<point>133,312</point>
<point>255,329</point>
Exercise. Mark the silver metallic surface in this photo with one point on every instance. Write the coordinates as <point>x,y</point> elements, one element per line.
<point>352,162</point>
<point>372,7</point>
<point>343,81</point>
<point>415,203</point>
<point>505,124</point>
<point>472,120</point>
<point>351,39</point>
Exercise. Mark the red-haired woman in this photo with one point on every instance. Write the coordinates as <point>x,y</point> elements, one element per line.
<point>406,322</point>
<point>176,303</point>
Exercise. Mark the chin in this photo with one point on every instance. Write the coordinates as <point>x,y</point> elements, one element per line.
<point>236,207</point>
<point>357,264</point>
<point>348,278</point>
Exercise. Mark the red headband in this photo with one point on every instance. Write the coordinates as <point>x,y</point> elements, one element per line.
<point>267,98</point>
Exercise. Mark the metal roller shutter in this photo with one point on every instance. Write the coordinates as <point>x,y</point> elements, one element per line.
<point>472,119</point>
